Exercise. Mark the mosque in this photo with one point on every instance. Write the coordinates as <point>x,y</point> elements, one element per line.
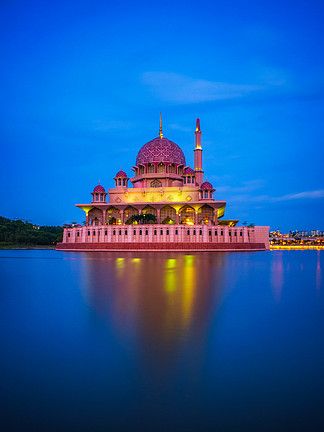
<point>169,206</point>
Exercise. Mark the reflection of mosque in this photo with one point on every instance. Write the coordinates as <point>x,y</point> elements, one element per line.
<point>168,206</point>
<point>160,301</point>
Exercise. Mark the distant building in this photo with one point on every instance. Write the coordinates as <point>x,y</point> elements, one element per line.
<point>169,206</point>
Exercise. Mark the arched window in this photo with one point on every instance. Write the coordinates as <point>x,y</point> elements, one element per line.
<point>142,170</point>
<point>185,180</point>
<point>101,197</point>
<point>206,194</point>
<point>171,168</point>
<point>97,198</point>
<point>180,170</point>
<point>119,182</point>
<point>188,179</point>
<point>151,168</point>
<point>161,168</point>
<point>211,194</point>
<point>124,182</point>
<point>156,183</point>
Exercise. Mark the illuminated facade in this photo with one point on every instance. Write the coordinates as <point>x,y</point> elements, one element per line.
<point>169,206</point>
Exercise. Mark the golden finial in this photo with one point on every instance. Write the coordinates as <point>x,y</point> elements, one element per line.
<point>160,133</point>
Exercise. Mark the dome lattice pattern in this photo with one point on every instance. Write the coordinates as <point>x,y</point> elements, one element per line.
<point>160,150</point>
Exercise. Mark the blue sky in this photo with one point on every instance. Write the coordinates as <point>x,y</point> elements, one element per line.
<point>83,83</point>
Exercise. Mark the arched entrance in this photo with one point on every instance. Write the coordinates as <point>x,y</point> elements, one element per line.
<point>113,216</point>
<point>95,217</point>
<point>168,215</point>
<point>128,213</point>
<point>206,215</point>
<point>187,215</point>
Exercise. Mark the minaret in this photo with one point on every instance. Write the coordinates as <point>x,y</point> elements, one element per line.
<point>198,155</point>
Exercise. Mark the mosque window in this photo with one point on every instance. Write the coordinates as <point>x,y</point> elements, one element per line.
<point>88,232</point>
<point>106,232</point>
<point>222,232</point>
<point>200,232</point>
<point>154,232</point>
<point>124,182</point>
<point>69,234</point>
<point>211,194</point>
<point>141,170</point>
<point>230,233</point>
<point>235,234</point>
<point>194,232</point>
<point>240,233</point>
<point>140,232</point>
<point>180,170</point>
<point>156,183</point>
<point>161,168</point>
<point>176,232</point>
<point>215,232</point>
<point>101,198</point>
<point>185,180</point>
<point>114,232</point>
<point>78,234</point>
<point>201,195</point>
<point>119,182</point>
<point>146,232</point>
<point>189,180</point>
<point>210,233</point>
<point>171,168</point>
<point>120,232</point>
<point>151,168</point>
<point>206,194</point>
<point>167,232</point>
<point>125,232</point>
<point>134,232</point>
<point>94,233</point>
<point>161,232</point>
<point>188,232</point>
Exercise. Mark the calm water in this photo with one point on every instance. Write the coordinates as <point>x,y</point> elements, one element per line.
<point>162,342</point>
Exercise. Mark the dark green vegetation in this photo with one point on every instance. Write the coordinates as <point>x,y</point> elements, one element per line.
<point>18,232</point>
<point>143,218</point>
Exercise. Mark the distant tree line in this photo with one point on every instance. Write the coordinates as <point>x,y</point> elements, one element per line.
<point>18,232</point>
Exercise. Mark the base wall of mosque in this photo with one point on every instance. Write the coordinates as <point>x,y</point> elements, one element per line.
<point>164,237</point>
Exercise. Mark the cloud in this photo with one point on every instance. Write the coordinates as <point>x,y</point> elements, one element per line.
<point>177,88</point>
<point>302,195</point>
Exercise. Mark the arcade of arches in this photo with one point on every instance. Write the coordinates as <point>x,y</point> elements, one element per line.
<point>187,215</point>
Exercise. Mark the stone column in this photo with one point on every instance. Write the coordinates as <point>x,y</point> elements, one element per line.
<point>226,237</point>
<point>196,218</point>
<point>104,217</point>
<point>158,216</point>
<point>87,219</point>
<point>177,218</point>
<point>205,233</point>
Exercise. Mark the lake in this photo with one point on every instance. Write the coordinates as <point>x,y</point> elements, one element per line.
<point>162,341</point>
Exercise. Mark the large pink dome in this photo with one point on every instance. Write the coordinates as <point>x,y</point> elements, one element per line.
<point>160,150</point>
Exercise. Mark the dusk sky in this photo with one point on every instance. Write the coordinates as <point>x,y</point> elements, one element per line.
<point>83,84</point>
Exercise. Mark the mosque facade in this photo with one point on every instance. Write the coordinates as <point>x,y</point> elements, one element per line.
<point>168,206</point>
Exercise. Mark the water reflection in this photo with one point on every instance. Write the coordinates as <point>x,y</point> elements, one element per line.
<point>155,301</point>
<point>277,271</point>
<point>318,271</point>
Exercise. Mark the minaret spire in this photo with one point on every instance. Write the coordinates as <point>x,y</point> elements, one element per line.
<point>160,133</point>
<point>198,154</point>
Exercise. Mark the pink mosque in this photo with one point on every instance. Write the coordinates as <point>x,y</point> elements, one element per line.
<point>168,207</point>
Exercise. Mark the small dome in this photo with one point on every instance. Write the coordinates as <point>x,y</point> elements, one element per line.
<point>121,174</point>
<point>206,185</point>
<point>99,189</point>
<point>189,171</point>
